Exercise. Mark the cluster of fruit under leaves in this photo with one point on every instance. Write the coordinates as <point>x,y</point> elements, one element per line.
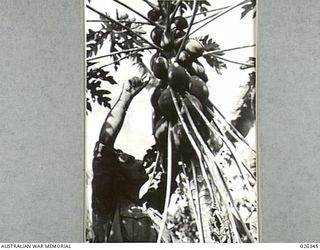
<point>182,91</point>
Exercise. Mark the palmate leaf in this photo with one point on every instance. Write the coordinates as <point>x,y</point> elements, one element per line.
<point>202,5</point>
<point>95,40</point>
<point>95,77</point>
<point>211,59</point>
<point>249,7</point>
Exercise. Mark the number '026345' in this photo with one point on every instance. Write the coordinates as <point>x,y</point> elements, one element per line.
<point>309,245</point>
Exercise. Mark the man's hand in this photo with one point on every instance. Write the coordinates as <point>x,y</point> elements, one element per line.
<point>133,86</point>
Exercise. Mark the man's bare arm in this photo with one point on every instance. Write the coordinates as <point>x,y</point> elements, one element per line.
<point>114,120</point>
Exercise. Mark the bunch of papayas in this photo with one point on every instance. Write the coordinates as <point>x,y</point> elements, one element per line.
<point>183,77</point>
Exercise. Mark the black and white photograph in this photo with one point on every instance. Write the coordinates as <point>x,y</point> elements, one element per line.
<point>170,121</point>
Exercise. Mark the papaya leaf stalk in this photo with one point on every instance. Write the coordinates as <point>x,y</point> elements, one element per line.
<point>123,26</point>
<point>168,184</point>
<point>221,14</point>
<point>139,14</point>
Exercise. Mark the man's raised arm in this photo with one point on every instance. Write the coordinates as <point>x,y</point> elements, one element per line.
<point>114,120</point>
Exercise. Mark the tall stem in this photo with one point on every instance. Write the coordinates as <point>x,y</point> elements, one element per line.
<point>123,26</point>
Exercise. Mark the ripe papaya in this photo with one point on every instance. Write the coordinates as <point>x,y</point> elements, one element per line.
<point>194,47</point>
<point>166,105</point>
<point>167,40</point>
<point>155,97</point>
<point>196,68</point>
<point>154,14</point>
<point>179,34</point>
<point>155,35</point>
<point>198,88</point>
<point>184,57</point>
<point>180,22</point>
<point>160,67</point>
<point>178,77</point>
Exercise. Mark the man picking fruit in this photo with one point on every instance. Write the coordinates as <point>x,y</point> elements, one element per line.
<point>118,213</point>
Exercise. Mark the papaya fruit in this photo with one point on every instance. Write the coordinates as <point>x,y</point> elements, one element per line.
<point>154,14</point>
<point>167,40</point>
<point>179,34</point>
<point>194,47</point>
<point>196,68</point>
<point>155,35</point>
<point>180,22</point>
<point>166,105</point>
<point>155,97</point>
<point>178,77</point>
<point>198,88</point>
<point>184,57</point>
<point>160,67</point>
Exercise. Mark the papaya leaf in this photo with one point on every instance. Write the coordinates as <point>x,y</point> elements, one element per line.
<point>201,4</point>
<point>251,63</point>
<point>211,59</point>
<point>249,7</point>
<point>95,77</point>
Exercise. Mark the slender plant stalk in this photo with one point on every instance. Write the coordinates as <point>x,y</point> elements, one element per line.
<point>236,210</point>
<point>225,50</point>
<point>120,52</point>
<point>139,14</point>
<point>194,176</point>
<point>153,6</point>
<point>123,26</point>
<point>234,155</point>
<point>168,186</point>
<point>206,18</point>
<point>209,11</point>
<point>223,198</point>
<point>194,145</point>
<point>231,61</point>
<point>193,206</point>
<point>189,29</point>
<point>118,60</point>
<point>202,143</point>
<point>221,14</point>
<point>175,10</point>
<point>232,129</point>
<point>120,21</point>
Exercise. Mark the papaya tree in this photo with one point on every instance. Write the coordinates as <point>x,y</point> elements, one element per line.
<point>215,196</point>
